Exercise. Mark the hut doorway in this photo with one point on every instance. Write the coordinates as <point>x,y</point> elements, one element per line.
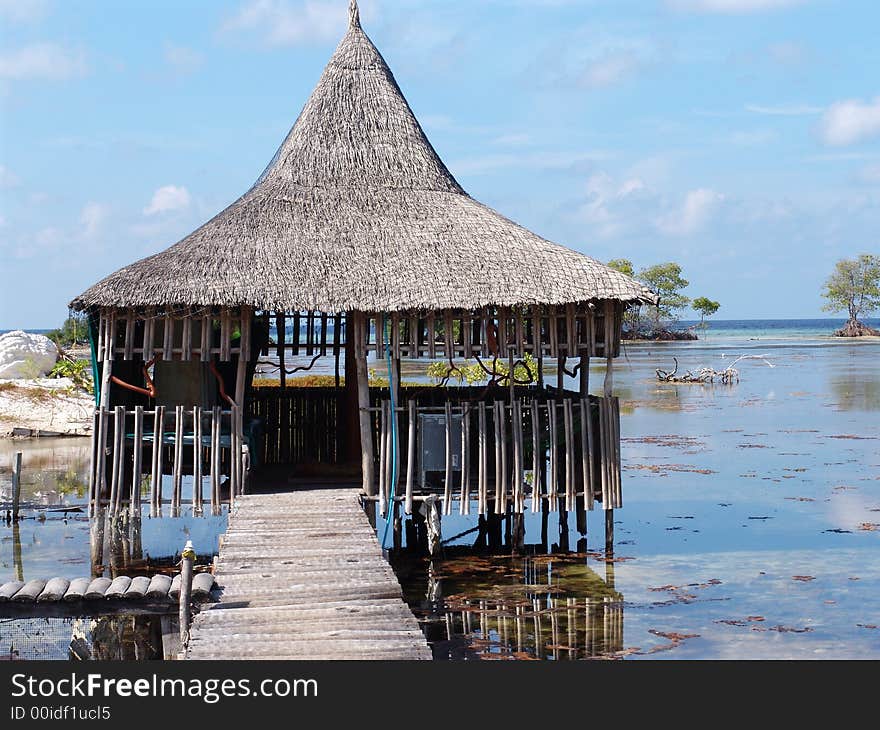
<point>303,396</point>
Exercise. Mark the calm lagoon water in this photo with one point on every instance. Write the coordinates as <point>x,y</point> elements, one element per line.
<point>751,525</point>
<point>53,539</point>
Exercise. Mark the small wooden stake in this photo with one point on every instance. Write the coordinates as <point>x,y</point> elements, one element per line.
<point>16,485</point>
<point>187,559</point>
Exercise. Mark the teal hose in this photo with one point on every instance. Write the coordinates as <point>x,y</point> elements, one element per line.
<point>389,516</point>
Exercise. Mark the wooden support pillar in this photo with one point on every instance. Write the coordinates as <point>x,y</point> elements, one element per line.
<point>106,354</point>
<point>240,390</point>
<point>368,483</point>
<point>608,390</point>
<point>280,327</point>
<point>347,421</point>
<point>583,501</point>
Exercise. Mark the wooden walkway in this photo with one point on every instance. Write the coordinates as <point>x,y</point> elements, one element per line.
<point>301,575</point>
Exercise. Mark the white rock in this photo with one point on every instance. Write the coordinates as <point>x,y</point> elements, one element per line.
<point>24,355</point>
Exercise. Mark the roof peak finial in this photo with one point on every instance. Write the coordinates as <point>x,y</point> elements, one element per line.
<point>354,16</point>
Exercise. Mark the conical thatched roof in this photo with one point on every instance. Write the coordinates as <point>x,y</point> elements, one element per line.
<point>357,212</point>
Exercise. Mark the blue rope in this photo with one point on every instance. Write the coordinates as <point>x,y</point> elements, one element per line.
<point>389,515</point>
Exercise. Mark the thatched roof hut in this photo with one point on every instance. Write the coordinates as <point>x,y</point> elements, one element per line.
<point>359,236</point>
<point>356,211</point>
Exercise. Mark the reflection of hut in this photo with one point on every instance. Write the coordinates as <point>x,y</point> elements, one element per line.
<point>356,243</point>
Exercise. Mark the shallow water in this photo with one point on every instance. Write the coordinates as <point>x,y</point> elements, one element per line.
<point>53,538</point>
<point>751,525</point>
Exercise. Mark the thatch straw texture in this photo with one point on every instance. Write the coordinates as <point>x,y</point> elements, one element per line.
<point>356,211</point>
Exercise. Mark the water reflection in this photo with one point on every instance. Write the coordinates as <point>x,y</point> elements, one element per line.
<point>515,607</point>
<point>105,638</point>
<point>857,391</point>
<point>55,537</point>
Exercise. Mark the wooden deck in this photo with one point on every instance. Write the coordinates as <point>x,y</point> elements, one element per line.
<point>301,575</point>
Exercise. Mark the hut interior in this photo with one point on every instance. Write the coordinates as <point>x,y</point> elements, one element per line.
<point>355,253</point>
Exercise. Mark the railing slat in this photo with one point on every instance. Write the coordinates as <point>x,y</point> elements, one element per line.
<point>447,481</point>
<point>465,507</point>
<point>553,475</point>
<point>137,457</point>
<point>537,457</point>
<point>410,457</point>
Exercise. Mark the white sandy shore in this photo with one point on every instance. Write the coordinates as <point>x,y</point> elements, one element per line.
<point>43,407</point>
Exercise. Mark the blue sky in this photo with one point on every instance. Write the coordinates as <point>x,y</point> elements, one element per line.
<point>740,138</point>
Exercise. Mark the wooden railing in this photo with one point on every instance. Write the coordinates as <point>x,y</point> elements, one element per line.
<point>298,425</point>
<point>130,444</point>
<point>498,453</point>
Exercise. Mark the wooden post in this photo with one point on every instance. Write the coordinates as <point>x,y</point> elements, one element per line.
<point>383,458</point>
<point>482,458</point>
<point>280,327</point>
<point>585,503</point>
<point>177,478</point>
<point>537,456</point>
<point>568,422</point>
<point>215,459</point>
<point>234,453</point>
<point>197,459</point>
<point>410,456</point>
<point>447,483</point>
<point>505,472</point>
<point>465,506</point>
<point>518,455</point>
<point>187,558</point>
<point>553,475</point>
<point>368,483</point>
<point>156,476</point>
<point>587,452</point>
<point>94,462</point>
<point>16,485</point>
<point>498,415</point>
<point>606,424</point>
<point>137,457</point>
<point>118,451</point>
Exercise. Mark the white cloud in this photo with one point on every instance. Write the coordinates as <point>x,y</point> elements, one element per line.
<point>285,23</point>
<point>168,198</point>
<point>23,11</point>
<point>43,61</point>
<point>8,179</point>
<point>606,202</point>
<point>784,110</point>
<point>694,214</point>
<point>92,218</point>
<point>850,121</point>
<point>731,6</point>
<point>182,59</point>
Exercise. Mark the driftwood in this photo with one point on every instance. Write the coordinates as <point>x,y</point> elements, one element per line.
<point>707,375</point>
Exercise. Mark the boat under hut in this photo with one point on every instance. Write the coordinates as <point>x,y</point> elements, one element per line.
<point>355,251</point>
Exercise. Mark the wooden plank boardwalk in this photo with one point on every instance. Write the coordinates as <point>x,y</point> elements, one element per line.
<point>300,575</point>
